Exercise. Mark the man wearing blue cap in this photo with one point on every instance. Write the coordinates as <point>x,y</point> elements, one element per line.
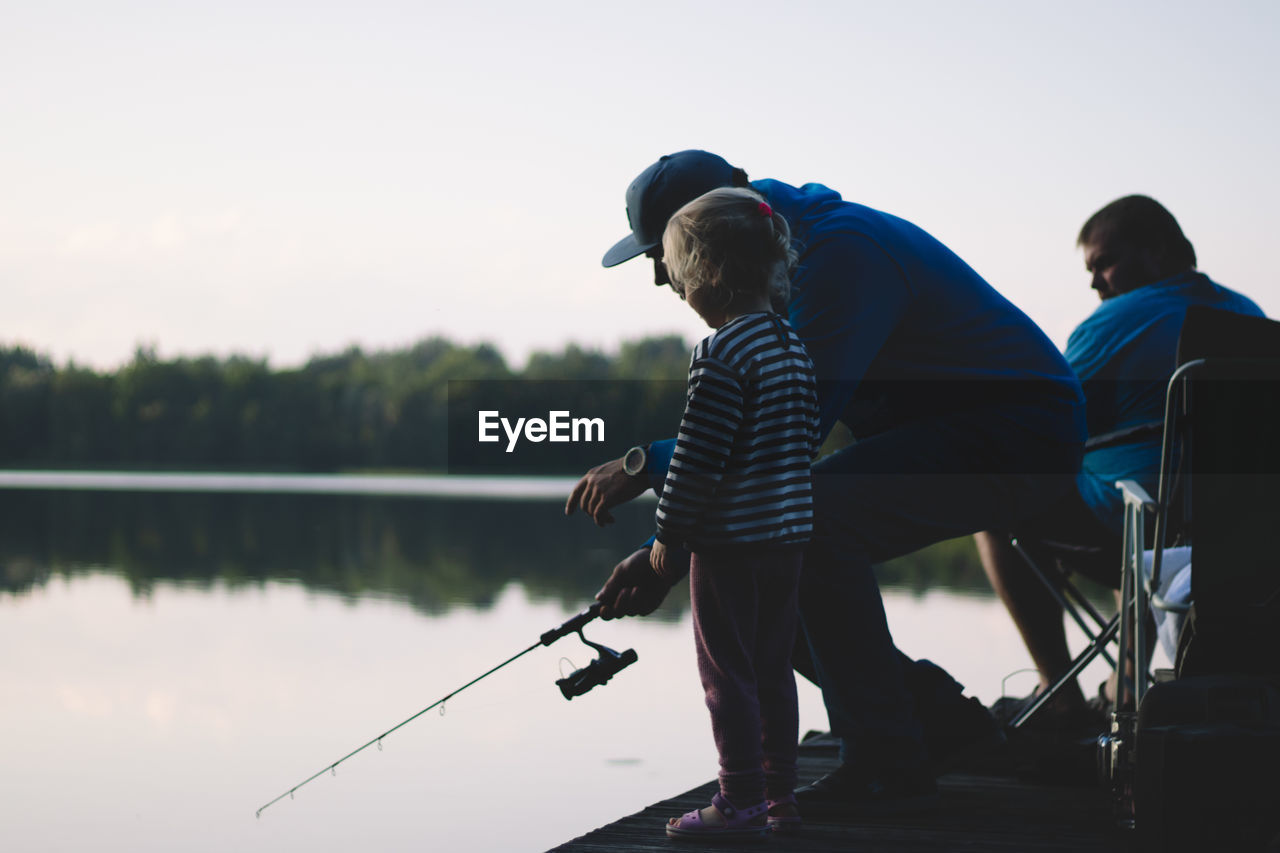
<point>966,418</point>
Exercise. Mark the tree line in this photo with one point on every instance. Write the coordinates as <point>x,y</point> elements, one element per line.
<point>382,410</point>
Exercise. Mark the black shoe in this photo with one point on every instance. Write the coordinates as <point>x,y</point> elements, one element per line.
<point>1091,718</point>
<point>853,791</point>
<point>1007,708</point>
<point>962,731</point>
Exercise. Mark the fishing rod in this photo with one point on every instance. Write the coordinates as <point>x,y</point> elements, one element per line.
<point>580,681</point>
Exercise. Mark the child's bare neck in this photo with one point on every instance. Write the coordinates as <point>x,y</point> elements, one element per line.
<point>754,305</point>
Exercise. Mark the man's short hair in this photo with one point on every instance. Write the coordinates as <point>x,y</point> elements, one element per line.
<point>1141,222</point>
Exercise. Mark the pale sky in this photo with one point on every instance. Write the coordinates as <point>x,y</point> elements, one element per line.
<point>284,179</point>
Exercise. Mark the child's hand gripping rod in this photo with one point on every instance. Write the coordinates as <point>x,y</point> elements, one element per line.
<point>577,683</point>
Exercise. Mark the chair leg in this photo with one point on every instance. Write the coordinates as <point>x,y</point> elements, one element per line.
<point>1095,648</point>
<point>1060,587</point>
<point>1072,601</point>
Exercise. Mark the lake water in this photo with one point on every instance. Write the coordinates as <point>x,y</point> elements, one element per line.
<point>174,659</point>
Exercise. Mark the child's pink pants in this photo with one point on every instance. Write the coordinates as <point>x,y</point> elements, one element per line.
<point>744,621</point>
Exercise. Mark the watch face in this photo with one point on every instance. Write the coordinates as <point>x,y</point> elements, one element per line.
<point>633,461</point>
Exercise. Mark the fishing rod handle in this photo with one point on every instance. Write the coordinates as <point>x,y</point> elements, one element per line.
<point>574,624</point>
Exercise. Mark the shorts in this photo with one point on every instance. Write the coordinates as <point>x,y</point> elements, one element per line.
<point>1072,535</point>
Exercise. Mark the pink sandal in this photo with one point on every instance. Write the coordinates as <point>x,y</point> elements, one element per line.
<point>738,823</point>
<point>784,824</point>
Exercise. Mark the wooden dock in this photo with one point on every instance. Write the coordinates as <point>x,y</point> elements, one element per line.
<point>977,813</point>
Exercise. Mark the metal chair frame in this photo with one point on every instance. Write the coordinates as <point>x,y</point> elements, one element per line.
<point>1139,592</point>
<point>1117,757</point>
<point>1101,634</point>
<point>1103,631</point>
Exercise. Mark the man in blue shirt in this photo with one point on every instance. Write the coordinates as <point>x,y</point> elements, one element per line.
<point>1144,270</point>
<point>965,416</point>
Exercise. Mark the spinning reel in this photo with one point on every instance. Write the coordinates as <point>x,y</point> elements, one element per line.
<point>599,671</point>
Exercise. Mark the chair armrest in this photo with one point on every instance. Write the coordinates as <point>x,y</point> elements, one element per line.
<point>1135,495</point>
<point>1134,591</point>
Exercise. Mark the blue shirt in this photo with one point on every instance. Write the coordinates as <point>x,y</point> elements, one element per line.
<point>899,327</point>
<point>1124,354</point>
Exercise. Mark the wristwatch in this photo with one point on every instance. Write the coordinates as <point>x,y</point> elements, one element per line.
<point>633,461</point>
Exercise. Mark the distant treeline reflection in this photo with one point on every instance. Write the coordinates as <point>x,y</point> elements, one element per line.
<point>432,553</point>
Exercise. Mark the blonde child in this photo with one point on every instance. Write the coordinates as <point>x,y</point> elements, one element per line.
<point>737,497</point>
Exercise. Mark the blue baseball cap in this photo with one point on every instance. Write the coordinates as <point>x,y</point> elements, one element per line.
<point>661,190</point>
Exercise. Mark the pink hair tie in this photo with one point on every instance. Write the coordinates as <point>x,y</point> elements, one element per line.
<point>765,209</point>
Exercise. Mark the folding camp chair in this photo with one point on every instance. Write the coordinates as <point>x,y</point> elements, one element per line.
<point>1221,454</point>
<point>1220,451</point>
<point>1101,632</point>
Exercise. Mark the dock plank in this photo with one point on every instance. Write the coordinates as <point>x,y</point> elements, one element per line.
<point>977,812</point>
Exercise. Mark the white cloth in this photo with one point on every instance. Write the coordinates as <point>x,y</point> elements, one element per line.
<point>1175,587</point>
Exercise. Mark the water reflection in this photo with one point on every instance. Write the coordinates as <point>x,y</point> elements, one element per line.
<point>431,552</point>
<point>186,657</point>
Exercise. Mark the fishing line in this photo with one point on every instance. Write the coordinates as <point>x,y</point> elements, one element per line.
<point>1004,681</point>
<point>594,674</point>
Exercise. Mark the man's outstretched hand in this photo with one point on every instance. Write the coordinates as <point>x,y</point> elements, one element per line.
<point>634,588</point>
<point>602,488</point>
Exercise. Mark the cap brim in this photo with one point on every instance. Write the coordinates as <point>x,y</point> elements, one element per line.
<point>624,250</point>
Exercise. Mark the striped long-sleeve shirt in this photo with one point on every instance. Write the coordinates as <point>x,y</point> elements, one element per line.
<point>740,471</point>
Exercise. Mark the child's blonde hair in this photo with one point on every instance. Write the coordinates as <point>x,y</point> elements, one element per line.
<point>731,241</point>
